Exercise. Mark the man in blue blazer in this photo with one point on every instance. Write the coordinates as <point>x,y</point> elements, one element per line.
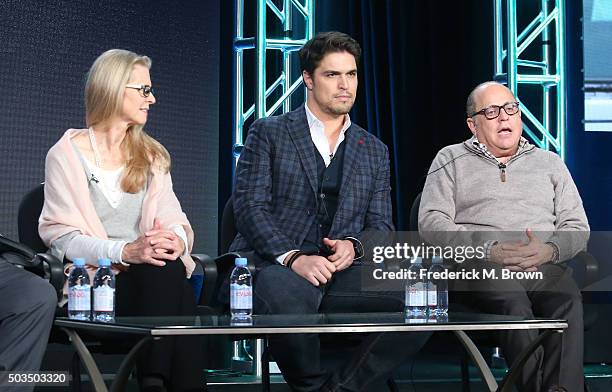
<point>309,184</point>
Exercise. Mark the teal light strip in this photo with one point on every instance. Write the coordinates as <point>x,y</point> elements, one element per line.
<point>534,23</point>
<point>547,126</point>
<point>535,33</point>
<point>512,56</point>
<point>279,14</point>
<point>261,44</point>
<point>539,127</point>
<point>561,70</point>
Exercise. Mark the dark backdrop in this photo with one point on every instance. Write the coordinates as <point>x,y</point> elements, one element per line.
<point>47,47</point>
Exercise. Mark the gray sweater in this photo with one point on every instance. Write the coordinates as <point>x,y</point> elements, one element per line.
<point>465,201</point>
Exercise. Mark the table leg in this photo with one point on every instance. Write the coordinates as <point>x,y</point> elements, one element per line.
<point>265,365</point>
<point>94,372</point>
<point>507,383</point>
<point>479,361</point>
<point>127,365</point>
<point>90,364</point>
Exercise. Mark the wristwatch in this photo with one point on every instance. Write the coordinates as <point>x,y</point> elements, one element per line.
<point>555,256</point>
<point>357,247</point>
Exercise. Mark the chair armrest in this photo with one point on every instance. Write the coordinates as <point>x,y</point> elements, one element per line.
<point>55,269</point>
<point>226,262</point>
<point>17,253</point>
<point>209,268</point>
<point>590,265</point>
<point>42,264</point>
<point>208,264</point>
<point>216,271</point>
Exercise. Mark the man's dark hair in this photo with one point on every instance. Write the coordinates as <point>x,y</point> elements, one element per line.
<point>315,49</point>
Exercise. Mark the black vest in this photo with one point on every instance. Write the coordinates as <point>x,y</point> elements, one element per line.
<point>329,180</point>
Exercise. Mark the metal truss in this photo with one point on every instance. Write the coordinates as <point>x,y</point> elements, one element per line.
<point>268,99</point>
<point>531,61</point>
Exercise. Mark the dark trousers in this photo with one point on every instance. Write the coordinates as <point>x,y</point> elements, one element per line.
<point>559,360</point>
<point>146,290</point>
<point>279,290</point>
<point>27,307</point>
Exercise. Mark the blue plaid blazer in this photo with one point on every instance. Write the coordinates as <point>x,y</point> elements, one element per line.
<point>275,197</point>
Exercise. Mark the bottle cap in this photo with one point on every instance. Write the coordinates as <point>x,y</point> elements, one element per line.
<point>104,262</point>
<point>241,261</point>
<point>436,260</point>
<point>79,261</point>
<point>416,260</point>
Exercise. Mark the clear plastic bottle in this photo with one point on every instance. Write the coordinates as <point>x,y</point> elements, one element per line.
<point>104,293</point>
<point>437,289</point>
<point>241,290</point>
<point>79,292</point>
<point>416,290</point>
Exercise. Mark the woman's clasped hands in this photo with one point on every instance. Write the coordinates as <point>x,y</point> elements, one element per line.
<point>155,247</point>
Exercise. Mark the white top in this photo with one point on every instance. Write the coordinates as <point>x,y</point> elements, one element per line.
<point>317,133</point>
<point>109,181</point>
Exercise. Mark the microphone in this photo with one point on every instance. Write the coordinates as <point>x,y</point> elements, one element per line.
<point>93,179</point>
<point>448,163</point>
<point>331,156</point>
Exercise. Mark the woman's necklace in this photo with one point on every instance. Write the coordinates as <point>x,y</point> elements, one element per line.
<point>94,147</point>
<point>113,193</point>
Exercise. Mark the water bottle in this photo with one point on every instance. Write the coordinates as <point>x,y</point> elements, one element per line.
<point>416,290</point>
<point>437,289</point>
<point>241,290</point>
<point>79,292</point>
<point>104,293</point>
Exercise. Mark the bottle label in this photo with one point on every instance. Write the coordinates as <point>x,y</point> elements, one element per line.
<point>79,298</point>
<point>416,320</point>
<point>104,299</point>
<point>432,295</point>
<point>241,296</point>
<point>416,295</point>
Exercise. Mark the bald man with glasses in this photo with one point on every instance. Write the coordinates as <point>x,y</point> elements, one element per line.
<point>518,202</point>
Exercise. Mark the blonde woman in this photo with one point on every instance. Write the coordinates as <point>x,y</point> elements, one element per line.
<point>108,193</point>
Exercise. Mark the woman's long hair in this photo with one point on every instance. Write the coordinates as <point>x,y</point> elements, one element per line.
<point>104,92</point>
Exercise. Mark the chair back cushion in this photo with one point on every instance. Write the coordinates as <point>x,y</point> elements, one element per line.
<point>27,218</point>
<point>414,213</point>
<point>228,227</point>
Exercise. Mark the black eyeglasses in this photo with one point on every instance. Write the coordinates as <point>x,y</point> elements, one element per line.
<point>145,89</point>
<point>493,111</point>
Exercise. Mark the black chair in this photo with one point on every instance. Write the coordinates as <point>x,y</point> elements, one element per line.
<point>41,264</point>
<point>224,263</point>
<point>30,208</point>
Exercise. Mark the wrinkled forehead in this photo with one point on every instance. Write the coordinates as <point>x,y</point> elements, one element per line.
<point>493,94</point>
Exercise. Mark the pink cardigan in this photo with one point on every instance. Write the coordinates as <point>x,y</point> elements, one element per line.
<point>68,207</point>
